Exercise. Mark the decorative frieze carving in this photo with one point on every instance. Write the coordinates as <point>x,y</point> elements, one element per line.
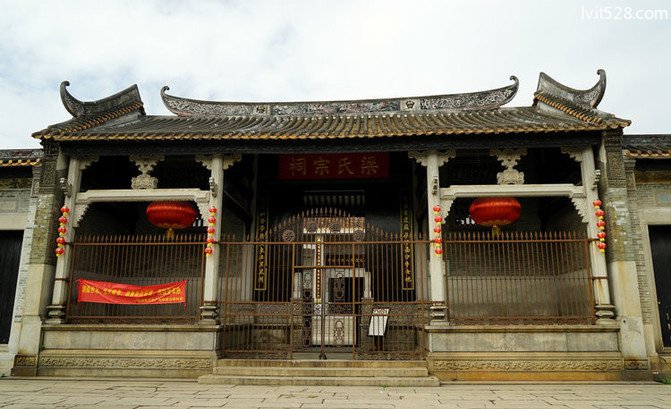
<point>509,159</point>
<point>636,364</point>
<point>123,362</point>
<point>25,360</point>
<point>527,365</point>
<point>145,164</point>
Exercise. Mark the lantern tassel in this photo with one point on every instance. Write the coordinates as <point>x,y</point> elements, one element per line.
<point>496,231</point>
<point>170,234</point>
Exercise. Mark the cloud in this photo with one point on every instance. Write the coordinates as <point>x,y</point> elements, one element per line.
<point>293,50</point>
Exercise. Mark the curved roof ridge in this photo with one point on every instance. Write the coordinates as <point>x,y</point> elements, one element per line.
<point>488,99</point>
<point>587,98</point>
<point>77,108</point>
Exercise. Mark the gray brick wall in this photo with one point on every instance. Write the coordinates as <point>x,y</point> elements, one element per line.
<point>644,189</point>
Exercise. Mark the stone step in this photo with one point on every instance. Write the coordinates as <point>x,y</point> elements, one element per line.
<point>319,363</point>
<point>322,371</point>
<point>318,381</point>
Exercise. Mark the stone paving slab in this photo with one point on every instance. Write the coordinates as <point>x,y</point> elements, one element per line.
<point>36,393</point>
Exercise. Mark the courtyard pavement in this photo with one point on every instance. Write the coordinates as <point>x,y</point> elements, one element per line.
<point>154,394</point>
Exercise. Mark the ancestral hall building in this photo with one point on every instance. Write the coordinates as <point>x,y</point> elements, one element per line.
<point>345,231</point>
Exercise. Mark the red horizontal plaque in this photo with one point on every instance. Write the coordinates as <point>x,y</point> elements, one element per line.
<point>115,293</point>
<point>334,166</point>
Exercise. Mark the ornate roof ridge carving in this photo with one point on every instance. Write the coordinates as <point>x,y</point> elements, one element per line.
<point>480,100</point>
<point>77,108</point>
<point>586,99</point>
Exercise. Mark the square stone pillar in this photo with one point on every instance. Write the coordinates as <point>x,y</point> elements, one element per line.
<point>604,309</point>
<point>432,161</point>
<point>70,187</point>
<point>620,255</point>
<point>217,164</point>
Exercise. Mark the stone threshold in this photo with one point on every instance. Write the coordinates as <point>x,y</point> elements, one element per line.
<point>132,327</point>
<point>521,328</point>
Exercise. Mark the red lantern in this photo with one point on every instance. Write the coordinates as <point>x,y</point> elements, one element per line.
<point>436,229</point>
<point>65,209</point>
<point>601,246</point>
<point>438,240</point>
<point>62,229</point>
<point>60,240</point>
<point>438,250</point>
<point>209,250</point>
<point>436,209</point>
<point>171,215</point>
<point>437,219</point>
<point>597,203</point>
<point>495,212</point>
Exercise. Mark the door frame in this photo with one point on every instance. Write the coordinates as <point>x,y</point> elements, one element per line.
<point>653,217</point>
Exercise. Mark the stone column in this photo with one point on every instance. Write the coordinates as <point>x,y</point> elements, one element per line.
<point>41,261</point>
<point>620,256</point>
<point>432,161</point>
<point>209,311</point>
<point>70,187</point>
<point>604,310</point>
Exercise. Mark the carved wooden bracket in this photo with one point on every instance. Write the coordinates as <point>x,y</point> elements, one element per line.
<point>78,214</point>
<point>509,159</point>
<point>65,186</point>
<point>573,152</point>
<point>145,164</point>
<point>580,204</point>
<point>423,157</point>
<point>86,161</point>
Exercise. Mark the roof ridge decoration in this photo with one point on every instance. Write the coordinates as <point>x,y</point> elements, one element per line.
<point>77,108</point>
<point>586,99</point>
<point>481,100</point>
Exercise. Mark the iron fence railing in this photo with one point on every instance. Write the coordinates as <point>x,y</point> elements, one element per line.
<point>518,277</point>
<point>137,260</point>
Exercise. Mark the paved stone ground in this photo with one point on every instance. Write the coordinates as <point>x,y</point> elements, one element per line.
<point>142,394</point>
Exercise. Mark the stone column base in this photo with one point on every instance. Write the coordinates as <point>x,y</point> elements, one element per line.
<point>209,314</point>
<point>56,314</point>
<point>25,365</point>
<point>605,313</point>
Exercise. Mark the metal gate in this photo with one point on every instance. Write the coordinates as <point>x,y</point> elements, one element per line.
<point>325,284</point>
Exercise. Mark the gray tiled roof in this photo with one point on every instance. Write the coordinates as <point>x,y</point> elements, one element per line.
<point>556,108</point>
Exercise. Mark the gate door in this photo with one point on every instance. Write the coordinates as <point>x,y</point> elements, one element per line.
<point>325,284</point>
<point>327,299</point>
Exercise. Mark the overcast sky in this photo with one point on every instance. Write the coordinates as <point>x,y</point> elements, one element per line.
<point>323,50</point>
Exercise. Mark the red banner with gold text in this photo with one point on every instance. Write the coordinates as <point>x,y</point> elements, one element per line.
<point>115,293</point>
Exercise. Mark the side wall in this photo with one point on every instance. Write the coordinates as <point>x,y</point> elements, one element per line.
<point>17,212</point>
<point>650,201</point>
